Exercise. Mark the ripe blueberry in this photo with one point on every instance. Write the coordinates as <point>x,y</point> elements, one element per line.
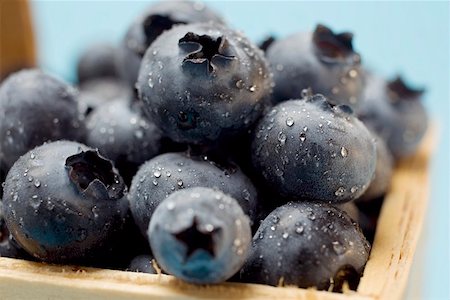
<point>307,244</point>
<point>63,201</point>
<point>97,61</point>
<point>311,149</point>
<point>322,60</point>
<point>122,135</point>
<point>166,173</point>
<point>148,26</point>
<point>203,82</point>
<point>35,108</point>
<point>394,111</point>
<point>200,235</point>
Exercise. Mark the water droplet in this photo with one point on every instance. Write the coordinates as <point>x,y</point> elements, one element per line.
<point>354,189</point>
<point>272,228</point>
<point>32,155</point>
<point>344,152</point>
<point>305,129</point>
<point>239,84</point>
<point>252,88</point>
<point>237,242</point>
<point>150,83</point>
<point>285,235</point>
<point>289,121</point>
<point>299,229</point>
<point>37,183</point>
<point>246,194</point>
<point>353,73</point>
<point>279,67</point>
<point>155,183</point>
<point>282,138</point>
<point>338,248</point>
<point>180,182</point>
<point>170,205</point>
<point>302,136</point>
<point>157,174</point>
<point>340,192</point>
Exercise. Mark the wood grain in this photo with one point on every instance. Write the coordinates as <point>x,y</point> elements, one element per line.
<point>17,47</point>
<point>385,275</point>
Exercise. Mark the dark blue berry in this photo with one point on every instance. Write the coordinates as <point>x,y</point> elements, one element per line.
<point>395,112</point>
<point>35,108</point>
<point>142,264</point>
<point>307,245</point>
<point>149,25</point>
<point>383,173</point>
<point>200,235</point>
<point>166,173</point>
<point>122,135</point>
<point>97,61</point>
<point>310,149</point>
<point>203,82</point>
<point>63,201</point>
<point>321,60</point>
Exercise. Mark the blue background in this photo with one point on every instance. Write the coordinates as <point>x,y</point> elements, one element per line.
<point>409,38</point>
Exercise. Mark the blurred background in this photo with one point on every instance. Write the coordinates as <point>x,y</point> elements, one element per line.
<point>407,38</point>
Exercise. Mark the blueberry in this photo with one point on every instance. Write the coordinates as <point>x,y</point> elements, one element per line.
<point>266,43</point>
<point>200,235</point>
<point>394,111</point>
<point>203,82</point>
<point>148,26</point>
<point>321,60</point>
<point>62,201</point>
<point>35,108</point>
<point>97,92</point>
<point>121,134</point>
<point>307,245</point>
<point>166,173</point>
<point>383,173</point>
<point>97,61</point>
<point>311,149</point>
<point>142,264</point>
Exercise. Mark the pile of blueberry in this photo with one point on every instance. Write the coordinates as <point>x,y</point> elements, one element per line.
<point>186,140</point>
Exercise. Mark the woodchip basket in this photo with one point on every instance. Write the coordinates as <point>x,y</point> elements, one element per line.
<point>385,275</point>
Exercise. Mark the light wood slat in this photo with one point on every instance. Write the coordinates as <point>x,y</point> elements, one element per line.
<point>399,227</point>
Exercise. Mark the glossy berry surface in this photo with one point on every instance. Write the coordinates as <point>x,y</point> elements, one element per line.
<point>203,82</point>
<point>395,112</point>
<point>310,149</point>
<point>167,173</point>
<point>63,201</point>
<point>200,235</point>
<point>307,245</point>
<point>321,60</point>
<point>96,92</point>
<point>147,27</point>
<point>384,168</point>
<point>35,108</point>
<point>97,61</point>
<point>142,264</point>
<point>122,135</point>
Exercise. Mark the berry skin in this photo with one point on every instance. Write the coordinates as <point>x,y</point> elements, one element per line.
<point>97,92</point>
<point>383,173</point>
<point>35,108</point>
<point>320,60</point>
<point>166,173</point>
<point>394,111</point>
<point>97,61</point>
<point>122,135</point>
<point>142,264</point>
<point>63,202</point>
<point>306,244</point>
<point>148,26</point>
<point>200,235</point>
<point>203,82</point>
<point>309,149</point>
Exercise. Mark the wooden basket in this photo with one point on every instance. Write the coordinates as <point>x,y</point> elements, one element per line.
<point>385,275</point>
